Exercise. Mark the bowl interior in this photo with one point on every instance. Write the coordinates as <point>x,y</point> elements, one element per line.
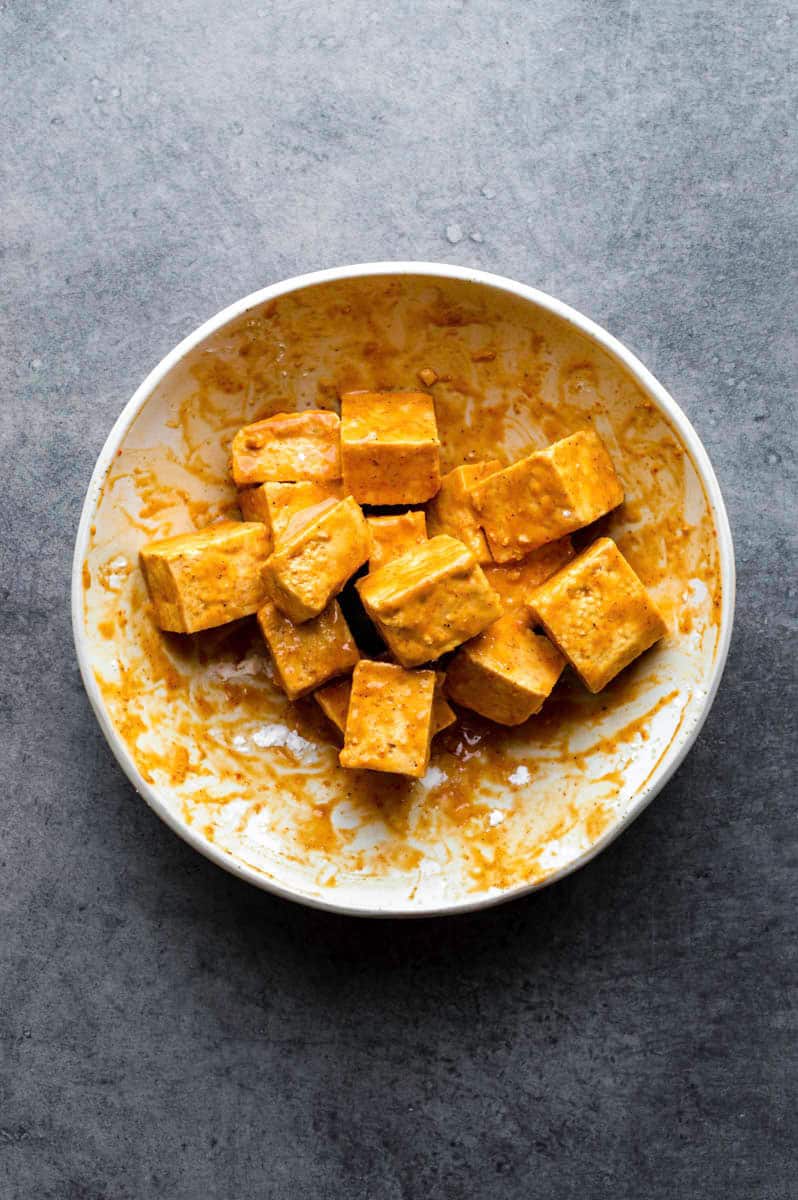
<point>253,780</point>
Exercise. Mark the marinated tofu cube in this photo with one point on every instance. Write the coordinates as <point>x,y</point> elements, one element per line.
<point>334,703</point>
<point>287,447</point>
<point>275,504</point>
<point>389,721</point>
<point>516,581</point>
<point>306,656</point>
<point>305,571</point>
<point>392,536</point>
<point>598,613</point>
<point>200,580</point>
<point>430,600</point>
<point>333,700</point>
<point>506,673</point>
<point>389,447</point>
<point>443,715</point>
<point>547,495</point>
<point>289,506</point>
<point>252,502</point>
<point>452,511</point>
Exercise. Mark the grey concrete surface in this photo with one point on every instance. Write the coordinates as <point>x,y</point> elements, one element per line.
<point>168,1032</point>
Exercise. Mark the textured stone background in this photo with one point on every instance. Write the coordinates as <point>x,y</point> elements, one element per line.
<point>168,1032</point>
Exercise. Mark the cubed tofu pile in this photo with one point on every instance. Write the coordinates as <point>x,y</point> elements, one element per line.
<point>470,580</point>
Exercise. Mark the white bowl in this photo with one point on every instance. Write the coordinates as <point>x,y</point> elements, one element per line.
<point>207,740</point>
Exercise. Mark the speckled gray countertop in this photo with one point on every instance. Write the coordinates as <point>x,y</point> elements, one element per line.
<point>168,1032</point>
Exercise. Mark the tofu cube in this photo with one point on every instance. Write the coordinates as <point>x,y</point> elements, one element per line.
<point>286,447</point>
<point>598,613</point>
<point>452,511</point>
<point>516,582</point>
<point>333,700</point>
<point>506,673</point>
<point>306,656</point>
<point>334,703</point>
<point>547,495</point>
<point>429,600</point>
<point>389,447</point>
<point>389,721</point>
<point>443,715</point>
<point>200,580</point>
<point>289,506</point>
<point>252,502</point>
<point>305,571</point>
<point>391,536</point>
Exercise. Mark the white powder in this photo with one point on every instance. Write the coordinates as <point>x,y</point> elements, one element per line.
<point>433,777</point>
<point>266,736</point>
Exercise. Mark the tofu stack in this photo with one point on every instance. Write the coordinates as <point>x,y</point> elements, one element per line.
<point>473,584</point>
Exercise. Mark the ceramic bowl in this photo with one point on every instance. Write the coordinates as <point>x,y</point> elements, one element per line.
<point>197,723</point>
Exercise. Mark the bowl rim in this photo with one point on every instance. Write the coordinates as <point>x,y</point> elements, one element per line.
<point>676,752</point>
